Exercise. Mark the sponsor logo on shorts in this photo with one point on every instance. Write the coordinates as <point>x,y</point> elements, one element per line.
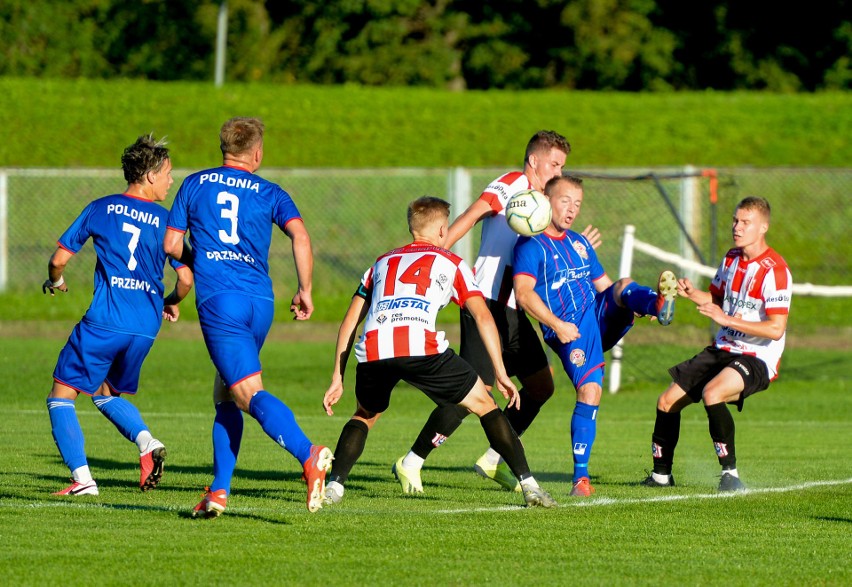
<point>577,357</point>
<point>656,450</point>
<point>580,448</point>
<point>438,440</point>
<point>581,249</point>
<point>721,449</point>
<point>742,368</point>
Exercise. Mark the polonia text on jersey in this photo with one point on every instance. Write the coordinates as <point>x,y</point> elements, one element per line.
<point>129,283</point>
<point>229,256</point>
<point>139,216</point>
<point>234,182</point>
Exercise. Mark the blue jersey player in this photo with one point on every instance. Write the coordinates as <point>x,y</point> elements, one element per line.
<point>104,354</point>
<point>582,313</point>
<point>229,213</point>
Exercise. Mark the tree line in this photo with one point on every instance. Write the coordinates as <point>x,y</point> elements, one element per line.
<point>623,45</point>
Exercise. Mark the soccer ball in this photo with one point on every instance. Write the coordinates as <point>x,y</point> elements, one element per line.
<point>528,212</point>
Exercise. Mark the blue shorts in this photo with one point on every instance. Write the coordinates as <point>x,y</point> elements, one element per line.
<point>600,328</point>
<point>234,328</point>
<point>93,356</point>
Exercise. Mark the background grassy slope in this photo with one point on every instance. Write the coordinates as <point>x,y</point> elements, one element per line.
<point>82,123</point>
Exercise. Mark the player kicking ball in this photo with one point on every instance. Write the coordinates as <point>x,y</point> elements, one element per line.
<point>559,281</point>
<point>400,296</point>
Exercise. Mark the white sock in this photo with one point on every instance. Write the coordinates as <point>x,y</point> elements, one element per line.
<point>412,461</point>
<point>529,482</point>
<point>660,478</point>
<point>492,457</point>
<point>142,440</point>
<point>82,475</point>
<point>731,472</point>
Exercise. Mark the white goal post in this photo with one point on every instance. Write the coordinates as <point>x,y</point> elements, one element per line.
<point>631,243</point>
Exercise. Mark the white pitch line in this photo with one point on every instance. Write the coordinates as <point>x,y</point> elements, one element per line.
<point>593,502</point>
<point>602,501</point>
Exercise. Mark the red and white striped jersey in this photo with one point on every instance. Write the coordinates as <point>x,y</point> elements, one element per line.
<point>493,267</point>
<point>406,288</point>
<point>753,290</point>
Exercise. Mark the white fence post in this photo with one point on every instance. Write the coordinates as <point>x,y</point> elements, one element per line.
<point>690,214</point>
<point>624,269</point>
<point>458,192</point>
<point>4,230</point>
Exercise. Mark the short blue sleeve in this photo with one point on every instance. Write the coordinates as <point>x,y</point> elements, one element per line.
<point>285,209</point>
<point>78,233</point>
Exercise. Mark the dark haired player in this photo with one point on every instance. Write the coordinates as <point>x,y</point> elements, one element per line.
<point>104,354</point>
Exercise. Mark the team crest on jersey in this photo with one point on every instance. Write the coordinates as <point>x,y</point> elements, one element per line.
<point>578,357</point>
<point>768,262</point>
<point>381,319</point>
<point>581,249</point>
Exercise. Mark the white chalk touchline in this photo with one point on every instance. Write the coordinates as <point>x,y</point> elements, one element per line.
<point>592,502</point>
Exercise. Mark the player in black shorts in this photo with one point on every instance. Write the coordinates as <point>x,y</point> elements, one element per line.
<point>399,300</point>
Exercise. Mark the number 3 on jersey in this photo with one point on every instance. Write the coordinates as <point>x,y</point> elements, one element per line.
<point>419,273</point>
<point>229,213</point>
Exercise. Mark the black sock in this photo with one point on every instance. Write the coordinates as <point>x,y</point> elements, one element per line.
<point>442,422</point>
<point>350,445</point>
<point>522,418</point>
<point>664,440</point>
<point>504,440</point>
<point>721,425</point>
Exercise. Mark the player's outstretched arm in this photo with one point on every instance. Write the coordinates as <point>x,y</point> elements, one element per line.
<point>345,337</point>
<point>302,305</point>
<point>491,338</point>
<point>55,267</point>
<point>467,220</point>
<point>686,289</point>
<point>185,279</point>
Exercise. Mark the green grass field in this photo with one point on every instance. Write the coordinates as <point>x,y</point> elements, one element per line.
<point>791,527</point>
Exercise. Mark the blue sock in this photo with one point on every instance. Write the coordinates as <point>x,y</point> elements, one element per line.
<point>124,415</point>
<point>227,435</point>
<point>67,433</point>
<point>280,425</point>
<point>640,299</point>
<point>583,431</point>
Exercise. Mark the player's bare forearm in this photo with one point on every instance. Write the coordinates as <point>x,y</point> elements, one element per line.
<point>772,328</point>
<point>55,268</point>
<point>686,289</point>
<point>467,220</point>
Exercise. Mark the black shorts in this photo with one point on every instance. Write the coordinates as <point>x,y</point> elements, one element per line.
<point>523,354</point>
<point>694,375</point>
<point>444,378</point>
